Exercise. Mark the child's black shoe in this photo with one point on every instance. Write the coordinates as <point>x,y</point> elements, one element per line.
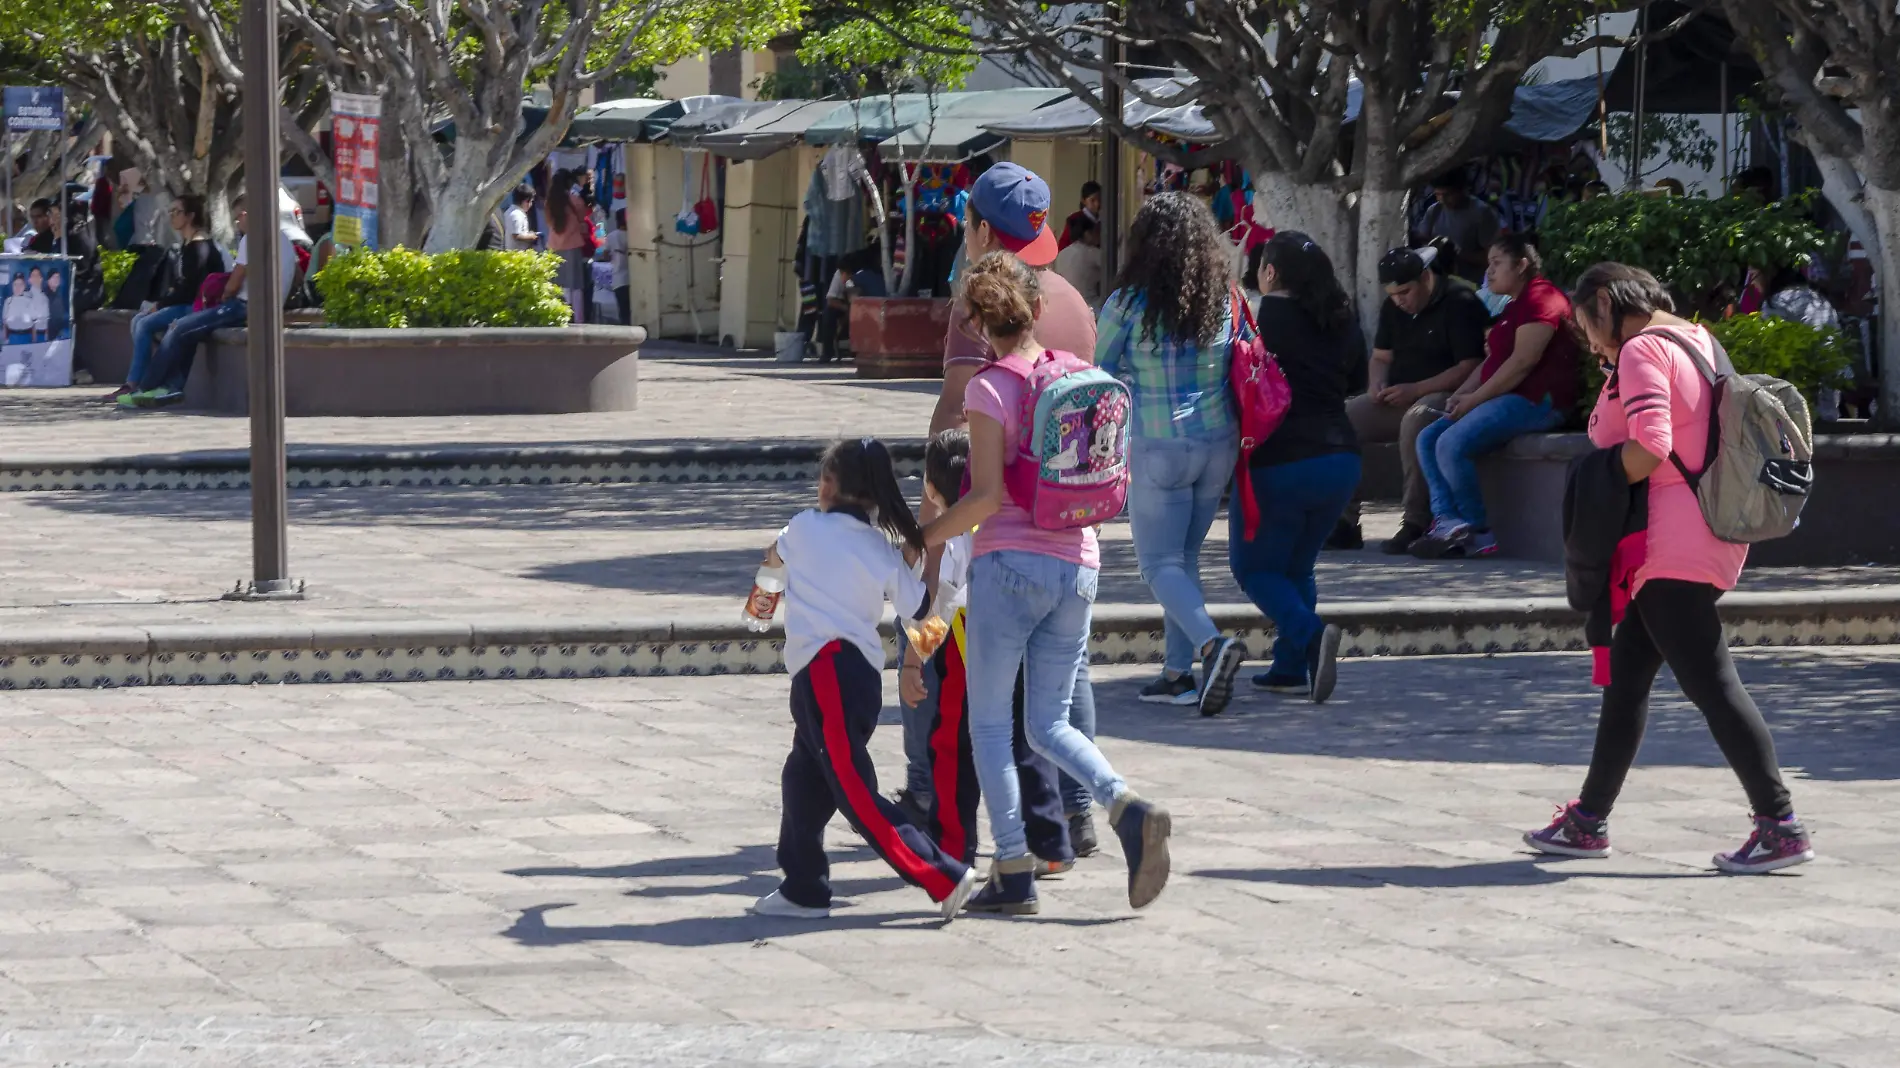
<point>1143,828</point>
<point>1011,890</point>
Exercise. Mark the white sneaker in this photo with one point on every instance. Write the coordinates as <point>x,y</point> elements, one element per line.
<point>775,905</point>
<point>954,903</point>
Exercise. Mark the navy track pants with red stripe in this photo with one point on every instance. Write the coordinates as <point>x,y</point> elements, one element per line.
<point>835,705</point>
<point>955,795</point>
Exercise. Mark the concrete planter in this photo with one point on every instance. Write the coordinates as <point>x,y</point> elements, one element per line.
<point>104,342</point>
<point>899,337</point>
<point>477,371</point>
<point>1853,517</point>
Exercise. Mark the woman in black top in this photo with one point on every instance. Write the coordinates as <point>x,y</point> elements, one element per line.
<point>1305,474</point>
<point>198,258</point>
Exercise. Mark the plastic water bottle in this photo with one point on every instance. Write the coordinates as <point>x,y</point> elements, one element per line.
<point>768,587</point>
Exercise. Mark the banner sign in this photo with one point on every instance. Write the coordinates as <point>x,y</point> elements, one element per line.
<point>34,108</point>
<point>355,121</point>
<point>36,321</point>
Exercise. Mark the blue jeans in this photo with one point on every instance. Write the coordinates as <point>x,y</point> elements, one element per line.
<point>147,328</point>
<point>1448,452</point>
<point>172,365</point>
<point>1034,610</point>
<point>1174,493</point>
<point>1299,504</point>
<point>918,775</point>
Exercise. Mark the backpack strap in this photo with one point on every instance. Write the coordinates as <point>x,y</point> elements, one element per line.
<point>1713,375</point>
<point>1242,313</point>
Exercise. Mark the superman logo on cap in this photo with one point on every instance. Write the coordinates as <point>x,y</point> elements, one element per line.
<point>1036,219</point>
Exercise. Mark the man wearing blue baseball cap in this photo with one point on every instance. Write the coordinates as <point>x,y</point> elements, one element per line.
<point>1008,211</point>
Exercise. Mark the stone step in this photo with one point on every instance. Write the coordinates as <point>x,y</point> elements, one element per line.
<point>535,648</point>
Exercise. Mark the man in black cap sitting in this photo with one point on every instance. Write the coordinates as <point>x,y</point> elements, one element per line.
<point>1430,337</point>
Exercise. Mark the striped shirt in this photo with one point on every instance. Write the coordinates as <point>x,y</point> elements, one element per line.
<point>1180,386</point>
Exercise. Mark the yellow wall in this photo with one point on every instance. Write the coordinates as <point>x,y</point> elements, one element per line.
<point>758,292</point>
<point>670,276</point>
<point>692,76</point>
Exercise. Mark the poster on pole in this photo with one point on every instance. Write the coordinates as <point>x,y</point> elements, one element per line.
<point>36,321</point>
<point>354,126</point>
<point>33,107</point>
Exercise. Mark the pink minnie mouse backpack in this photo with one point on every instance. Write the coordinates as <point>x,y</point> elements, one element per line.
<point>1071,465</point>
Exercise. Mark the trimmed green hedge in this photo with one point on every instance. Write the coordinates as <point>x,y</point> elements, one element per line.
<point>1806,357</point>
<point>1697,246</point>
<point>403,288</point>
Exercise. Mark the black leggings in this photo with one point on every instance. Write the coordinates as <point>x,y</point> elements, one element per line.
<point>1675,622</point>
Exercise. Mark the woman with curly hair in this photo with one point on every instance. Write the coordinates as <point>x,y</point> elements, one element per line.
<point>1168,330</point>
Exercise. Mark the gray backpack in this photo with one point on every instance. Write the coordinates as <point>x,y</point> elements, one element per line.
<point>1759,467</point>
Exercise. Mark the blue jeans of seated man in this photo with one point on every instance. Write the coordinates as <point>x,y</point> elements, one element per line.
<point>1173,496</point>
<point>171,365</point>
<point>1299,504</point>
<point>1448,452</point>
<point>147,328</point>
<point>1034,610</point>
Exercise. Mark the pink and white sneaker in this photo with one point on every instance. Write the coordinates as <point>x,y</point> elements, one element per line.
<point>1572,835</point>
<point>1776,844</point>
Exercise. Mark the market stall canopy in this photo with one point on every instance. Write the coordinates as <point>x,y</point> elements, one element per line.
<point>1554,111</point>
<point>661,122</point>
<point>766,131</point>
<point>622,120</point>
<point>686,131</point>
<point>1684,70</point>
<point>1075,119</point>
<point>532,116</point>
<point>943,121</point>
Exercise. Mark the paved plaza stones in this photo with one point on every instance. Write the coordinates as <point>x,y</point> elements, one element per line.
<point>468,873</point>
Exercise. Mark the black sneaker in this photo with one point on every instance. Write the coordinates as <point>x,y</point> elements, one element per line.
<point>1322,662</point>
<point>1082,837</point>
<point>1143,828</point>
<point>915,808</point>
<point>1401,543</point>
<point>1178,690</point>
<point>1346,537</point>
<point>1218,668</point>
<point>1272,683</point>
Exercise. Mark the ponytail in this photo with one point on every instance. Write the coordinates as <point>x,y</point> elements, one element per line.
<point>864,474</point>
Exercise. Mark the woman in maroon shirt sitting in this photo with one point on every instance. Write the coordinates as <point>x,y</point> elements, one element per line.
<point>1527,384</point>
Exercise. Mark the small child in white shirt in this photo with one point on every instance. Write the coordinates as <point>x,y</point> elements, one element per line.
<point>840,568</point>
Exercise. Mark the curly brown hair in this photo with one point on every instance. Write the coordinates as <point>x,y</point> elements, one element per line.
<point>1178,262</point>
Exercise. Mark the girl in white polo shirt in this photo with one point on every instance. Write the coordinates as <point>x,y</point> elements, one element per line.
<point>840,568</point>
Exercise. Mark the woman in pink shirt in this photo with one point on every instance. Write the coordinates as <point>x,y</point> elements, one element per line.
<point>1031,595</point>
<point>568,227</point>
<point>1656,406</point>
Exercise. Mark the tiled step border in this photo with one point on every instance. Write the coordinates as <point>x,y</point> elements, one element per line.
<point>537,649</point>
<point>316,467</point>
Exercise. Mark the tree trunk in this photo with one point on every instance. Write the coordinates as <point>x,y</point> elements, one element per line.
<point>461,211</point>
<point>1381,227</point>
<point>1883,205</point>
<point>1314,210</point>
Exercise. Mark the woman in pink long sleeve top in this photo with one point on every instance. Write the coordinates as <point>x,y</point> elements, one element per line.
<point>1655,402</point>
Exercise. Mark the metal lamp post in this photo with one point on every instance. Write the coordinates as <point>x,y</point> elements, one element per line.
<point>270,517</point>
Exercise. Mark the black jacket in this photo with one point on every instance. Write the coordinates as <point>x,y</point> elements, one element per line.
<point>1601,509</point>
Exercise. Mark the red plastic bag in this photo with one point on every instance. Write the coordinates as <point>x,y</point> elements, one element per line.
<point>706,209</point>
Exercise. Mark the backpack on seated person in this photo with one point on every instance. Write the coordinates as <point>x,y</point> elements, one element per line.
<point>1071,465</point>
<point>1759,467</point>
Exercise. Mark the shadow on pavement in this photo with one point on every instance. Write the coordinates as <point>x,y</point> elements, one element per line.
<point>753,871</point>
<point>1529,871</point>
<point>532,928</point>
<point>1834,716</point>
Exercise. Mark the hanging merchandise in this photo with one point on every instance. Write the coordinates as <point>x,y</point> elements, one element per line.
<point>706,207</point>
<point>843,168</point>
<point>687,221</point>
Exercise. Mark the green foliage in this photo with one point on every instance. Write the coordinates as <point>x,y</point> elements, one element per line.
<point>1666,139</point>
<point>922,47</point>
<point>1807,357</point>
<point>1695,245</point>
<point>463,288</point>
<point>116,265</point>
